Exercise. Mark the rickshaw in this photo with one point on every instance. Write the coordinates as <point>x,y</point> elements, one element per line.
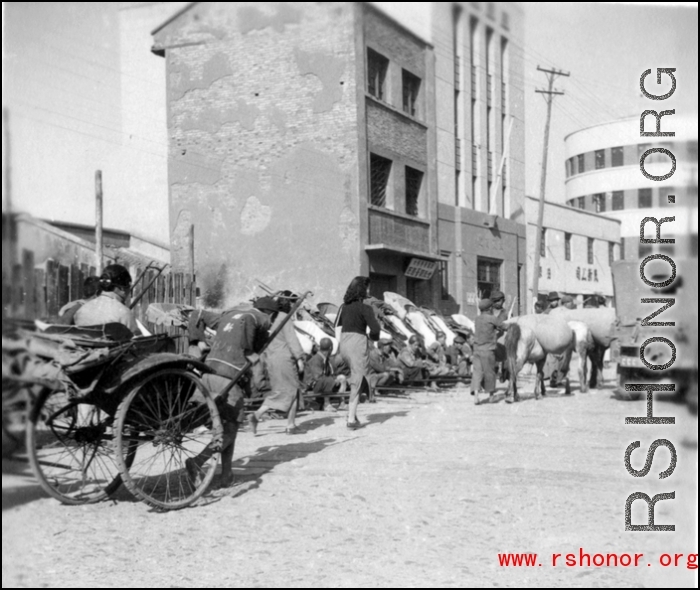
<point>106,409</point>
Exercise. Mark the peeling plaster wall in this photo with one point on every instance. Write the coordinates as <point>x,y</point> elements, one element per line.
<point>263,137</point>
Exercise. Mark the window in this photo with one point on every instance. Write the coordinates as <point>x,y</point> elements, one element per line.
<point>581,202</point>
<point>599,159</point>
<point>567,168</point>
<point>543,243</point>
<point>617,157</point>
<point>668,249</point>
<point>411,86</point>
<point>641,148</point>
<point>693,151</point>
<point>664,193</point>
<point>622,249</point>
<point>611,253</point>
<point>581,163</point>
<point>644,198</point>
<point>444,278</point>
<point>590,250</point>
<point>567,246</point>
<point>488,276</point>
<point>414,178</point>
<point>599,200</point>
<point>380,168</point>
<point>618,200</point>
<point>377,66</point>
<point>645,250</point>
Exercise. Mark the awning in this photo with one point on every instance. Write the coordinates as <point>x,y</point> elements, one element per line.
<point>378,248</point>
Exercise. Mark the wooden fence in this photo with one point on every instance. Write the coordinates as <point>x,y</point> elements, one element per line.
<point>39,293</point>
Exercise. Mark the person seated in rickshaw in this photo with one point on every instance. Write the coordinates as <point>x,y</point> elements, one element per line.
<point>109,306</point>
<point>91,289</point>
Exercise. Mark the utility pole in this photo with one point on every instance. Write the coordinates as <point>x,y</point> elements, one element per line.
<point>549,95</point>
<point>98,222</point>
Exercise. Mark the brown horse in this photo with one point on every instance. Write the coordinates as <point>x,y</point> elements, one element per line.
<point>529,339</point>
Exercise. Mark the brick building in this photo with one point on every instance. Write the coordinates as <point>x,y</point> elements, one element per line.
<point>311,142</point>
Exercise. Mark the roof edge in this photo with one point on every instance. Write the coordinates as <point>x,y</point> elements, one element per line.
<point>174,17</point>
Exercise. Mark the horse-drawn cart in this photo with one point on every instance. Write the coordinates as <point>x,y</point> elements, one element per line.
<point>103,410</point>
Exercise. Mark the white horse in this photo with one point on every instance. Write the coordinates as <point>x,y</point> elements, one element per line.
<point>529,339</point>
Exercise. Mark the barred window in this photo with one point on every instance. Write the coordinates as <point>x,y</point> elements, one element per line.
<point>380,169</point>
<point>599,159</point>
<point>377,66</point>
<point>644,198</point>
<point>618,200</point>
<point>617,157</point>
<point>411,87</point>
<point>567,246</point>
<point>414,179</point>
<point>590,251</point>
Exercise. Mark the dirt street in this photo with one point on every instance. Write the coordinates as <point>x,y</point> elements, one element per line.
<point>427,494</point>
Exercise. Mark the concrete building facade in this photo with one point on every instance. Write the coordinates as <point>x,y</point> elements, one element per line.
<point>576,251</point>
<point>312,142</point>
<point>603,176</point>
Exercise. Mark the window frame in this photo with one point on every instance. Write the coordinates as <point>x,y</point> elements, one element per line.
<point>376,158</point>
<point>377,69</point>
<point>413,83</point>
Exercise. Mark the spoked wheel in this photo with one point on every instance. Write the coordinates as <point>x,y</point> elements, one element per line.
<point>168,418</point>
<point>70,448</point>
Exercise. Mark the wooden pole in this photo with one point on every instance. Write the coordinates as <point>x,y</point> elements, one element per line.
<point>98,222</point>
<point>549,93</point>
<point>193,280</point>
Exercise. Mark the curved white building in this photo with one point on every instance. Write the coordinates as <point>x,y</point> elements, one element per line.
<point>603,176</point>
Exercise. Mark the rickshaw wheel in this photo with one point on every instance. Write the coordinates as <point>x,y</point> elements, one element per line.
<point>70,448</point>
<point>167,418</point>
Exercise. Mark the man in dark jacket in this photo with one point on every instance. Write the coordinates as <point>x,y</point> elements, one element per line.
<point>241,333</point>
<point>487,328</point>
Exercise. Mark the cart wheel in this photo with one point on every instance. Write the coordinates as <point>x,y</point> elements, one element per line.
<point>70,448</point>
<point>167,418</point>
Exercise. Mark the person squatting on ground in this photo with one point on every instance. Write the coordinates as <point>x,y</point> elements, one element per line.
<point>382,371</point>
<point>240,334</point>
<point>486,331</point>
<point>459,355</point>
<point>437,357</point>
<point>284,360</point>
<point>354,318</point>
<point>414,367</point>
<point>320,376</point>
<point>91,289</point>
<point>109,306</point>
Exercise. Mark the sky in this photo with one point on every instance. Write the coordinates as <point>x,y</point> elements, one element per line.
<point>83,92</point>
<point>605,47</point>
